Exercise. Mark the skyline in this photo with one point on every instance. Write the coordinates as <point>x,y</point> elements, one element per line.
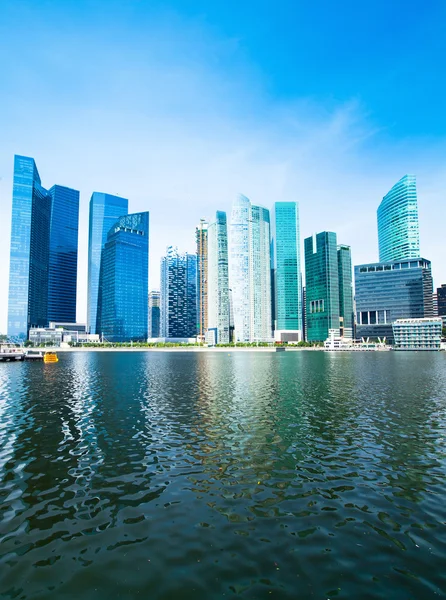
<point>204,113</point>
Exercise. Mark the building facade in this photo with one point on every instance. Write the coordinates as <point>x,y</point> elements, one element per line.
<point>154,314</point>
<point>389,291</point>
<point>37,258</point>
<point>201,237</point>
<point>218,331</point>
<point>124,280</point>
<point>63,247</point>
<point>322,286</point>
<point>417,334</point>
<point>287,300</point>
<point>178,295</point>
<point>345,276</point>
<point>441,301</point>
<point>105,210</point>
<point>250,271</point>
<point>398,232</point>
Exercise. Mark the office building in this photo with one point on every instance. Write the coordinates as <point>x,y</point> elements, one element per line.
<point>62,271</point>
<point>201,236</point>
<point>154,314</point>
<point>124,280</point>
<point>417,334</point>
<point>388,291</point>
<point>250,271</point>
<point>322,286</point>
<point>40,259</point>
<point>441,301</point>
<point>218,331</point>
<point>105,210</point>
<point>346,314</point>
<point>398,234</point>
<point>178,295</point>
<point>286,286</point>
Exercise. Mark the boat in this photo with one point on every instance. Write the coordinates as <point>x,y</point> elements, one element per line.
<point>11,352</point>
<point>50,357</point>
<point>34,355</point>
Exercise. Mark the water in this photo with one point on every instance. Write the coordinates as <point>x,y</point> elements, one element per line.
<point>202,476</point>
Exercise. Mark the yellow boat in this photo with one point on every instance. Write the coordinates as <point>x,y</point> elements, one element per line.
<point>50,357</point>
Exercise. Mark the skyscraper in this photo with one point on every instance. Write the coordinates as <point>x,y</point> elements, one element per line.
<point>105,210</point>
<point>287,269</point>
<point>124,279</point>
<point>389,291</point>
<point>345,291</point>
<point>218,281</point>
<point>36,249</point>
<point>441,302</point>
<point>154,314</point>
<point>201,235</point>
<point>62,274</point>
<point>178,296</point>
<point>398,234</point>
<point>322,285</point>
<point>250,271</point>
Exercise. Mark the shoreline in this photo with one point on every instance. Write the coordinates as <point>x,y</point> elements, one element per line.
<point>227,350</point>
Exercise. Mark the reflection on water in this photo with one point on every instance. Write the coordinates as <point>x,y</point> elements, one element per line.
<point>183,475</point>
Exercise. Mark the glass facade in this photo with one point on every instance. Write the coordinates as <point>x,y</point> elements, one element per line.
<point>105,210</point>
<point>154,314</point>
<point>218,280</point>
<point>287,302</point>
<point>37,271</point>
<point>124,280</point>
<point>441,300</point>
<point>398,234</point>
<point>389,291</point>
<point>178,294</point>
<point>201,235</point>
<point>417,334</point>
<point>345,291</point>
<point>322,286</point>
<point>62,273</point>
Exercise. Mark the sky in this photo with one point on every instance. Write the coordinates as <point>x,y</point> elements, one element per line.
<point>179,106</point>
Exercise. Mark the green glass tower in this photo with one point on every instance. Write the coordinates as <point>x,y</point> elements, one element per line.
<point>286,252</point>
<point>345,291</point>
<point>398,234</point>
<point>322,285</point>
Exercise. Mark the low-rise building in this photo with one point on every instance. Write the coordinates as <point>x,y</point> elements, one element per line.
<point>417,334</point>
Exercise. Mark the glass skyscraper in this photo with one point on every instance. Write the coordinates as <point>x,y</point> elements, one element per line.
<point>322,286</point>
<point>250,271</point>
<point>124,280</point>
<point>178,294</point>
<point>345,291</point>
<point>286,245</point>
<point>154,314</point>
<point>201,235</point>
<point>36,265</point>
<point>398,234</point>
<point>105,210</point>
<point>62,274</point>
<point>218,281</point>
<point>388,291</point>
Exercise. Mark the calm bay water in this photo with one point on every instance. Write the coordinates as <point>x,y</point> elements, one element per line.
<point>201,476</point>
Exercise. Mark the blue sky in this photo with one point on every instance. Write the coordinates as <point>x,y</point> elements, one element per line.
<point>181,105</point>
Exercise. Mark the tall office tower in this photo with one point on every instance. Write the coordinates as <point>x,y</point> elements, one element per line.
<point>388,291</point>
<point>345,291</point>
<point>304,314</point>
<point>250,271</point>
<point>178,296</point>
<point>287,303</point>
<point>441,302</point>
<point>62,274</point>
<point>322,285</point>
<point>398,234</point>
<point>218,281</point>
<point>105,210</point>
<point>201,236</point>
<point>154,314</point>
<point>35,254</point>
<point>124,279</point>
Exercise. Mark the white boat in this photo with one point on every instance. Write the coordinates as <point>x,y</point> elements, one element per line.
<point>34,354</point>
<point>11,352</point>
